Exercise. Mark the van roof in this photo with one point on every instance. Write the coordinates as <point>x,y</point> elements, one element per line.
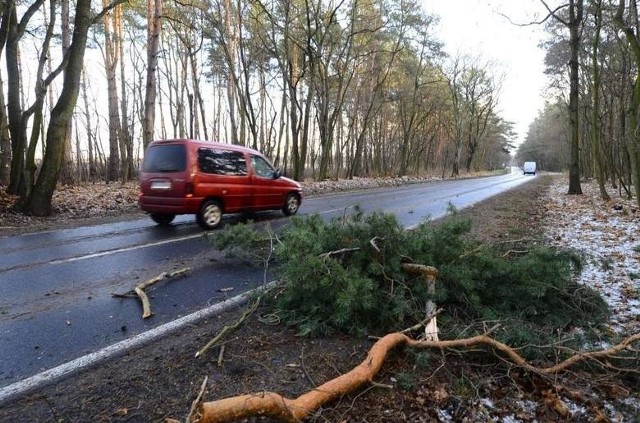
<point>205,143</point>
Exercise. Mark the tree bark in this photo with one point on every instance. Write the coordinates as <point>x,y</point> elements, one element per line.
<point>575,21</point>
<point>5,139</point>
<point>154,28</point>
<point>17,126</point>
<point>631,133</point>
<point>295,410</point>
<point>14,107</point>
<point>67,176</point>
<point>110,64</point>
<point>596,130</point>
<point>126,141</point>
<point>92,171</point>
<point>39,201</point>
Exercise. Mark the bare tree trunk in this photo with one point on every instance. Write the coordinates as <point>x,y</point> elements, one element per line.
<point>14,106</point>
<point>632,130</point>
<point>87,116</point>
<point>5,140</point>
<point>17,119</point>
<point>575,21</point>
<point>79,161</point>
<point>126,140</point>
<point>154,27</point>
<point>39,201</point>
<point>110,65</point>
<point>231,93</point>
<point>67,174</point>
<point>596,130</point>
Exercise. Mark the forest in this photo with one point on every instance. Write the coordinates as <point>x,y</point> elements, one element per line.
<point>327,89</point>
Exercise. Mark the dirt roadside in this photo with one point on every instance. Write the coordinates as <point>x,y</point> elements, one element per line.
<point>158,381</point>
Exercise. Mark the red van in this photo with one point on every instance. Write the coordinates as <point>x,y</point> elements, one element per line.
<point>209,179</point>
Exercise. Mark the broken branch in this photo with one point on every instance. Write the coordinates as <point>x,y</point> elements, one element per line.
<point>229,328</point>
<point>329,254</point>
<point>294,410</point>
<point>139,289</point>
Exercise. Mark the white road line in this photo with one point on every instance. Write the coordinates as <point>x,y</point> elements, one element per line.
<point>121,250</point>
<point>49,376</point>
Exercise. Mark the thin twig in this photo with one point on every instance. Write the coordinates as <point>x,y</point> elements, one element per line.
<point>423,322</point>
<point>195,405</point>
<point>329,254</point>
<point>221,355</point>
<point>229,328</point>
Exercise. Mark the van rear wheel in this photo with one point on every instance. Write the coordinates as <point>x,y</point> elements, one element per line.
<point>291,205</point>
<point>210,215</point>
<point>162,219</point>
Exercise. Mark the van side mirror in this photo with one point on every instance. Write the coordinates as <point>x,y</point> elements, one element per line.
<point>277,174</point>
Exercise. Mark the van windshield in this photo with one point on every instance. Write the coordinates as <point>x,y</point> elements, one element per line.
<point>165,158</point>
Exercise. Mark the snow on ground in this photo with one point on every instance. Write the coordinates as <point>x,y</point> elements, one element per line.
<point>608,234</point>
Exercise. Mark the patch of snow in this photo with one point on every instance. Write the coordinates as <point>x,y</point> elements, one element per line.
<point>511,419</point>
<point>444,415</point>
<point>487,402</point>
<point>576,410</point>
<point>528,406</point>
<point>608,234</point>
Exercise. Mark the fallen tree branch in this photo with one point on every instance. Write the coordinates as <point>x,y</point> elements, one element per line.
<point>146,305</point>
<point>514,252</point>
<point>329,254</point>
<point>421,324</point>
<point>139,289</point>
<point>228,328</point>
<point>491,244</point>
<point>221,355</point>
<point>294,410</point>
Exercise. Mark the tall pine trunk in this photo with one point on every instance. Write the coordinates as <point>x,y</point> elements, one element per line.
<point>5,142</point>
<point>632,130</point>
<point>110,64</point>
<point>154,12</point>
<point>67,175</point>
<point>575,20</point>
<point>597,127</point>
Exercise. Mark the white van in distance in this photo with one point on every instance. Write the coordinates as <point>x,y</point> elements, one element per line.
<point>529,168</point>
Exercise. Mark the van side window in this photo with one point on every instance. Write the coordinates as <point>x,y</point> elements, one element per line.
<point>221,162</point>
<point>262,168</point>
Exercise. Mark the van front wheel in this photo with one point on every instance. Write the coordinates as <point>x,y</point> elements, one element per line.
<point>291,205</point>
<point>210,215</point>
<point>162,219</point>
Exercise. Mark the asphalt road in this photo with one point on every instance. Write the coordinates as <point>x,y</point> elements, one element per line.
<point>56,287</point>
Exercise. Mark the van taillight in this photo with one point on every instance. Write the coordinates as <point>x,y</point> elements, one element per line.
<point>188,189</point>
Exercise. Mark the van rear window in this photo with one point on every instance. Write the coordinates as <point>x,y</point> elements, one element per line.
<point>222,162</point>
<point>165,158</point>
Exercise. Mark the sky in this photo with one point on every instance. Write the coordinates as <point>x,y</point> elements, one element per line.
<point>478,28</point>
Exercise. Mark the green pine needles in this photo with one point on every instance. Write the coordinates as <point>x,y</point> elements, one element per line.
<point>345,275</point>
